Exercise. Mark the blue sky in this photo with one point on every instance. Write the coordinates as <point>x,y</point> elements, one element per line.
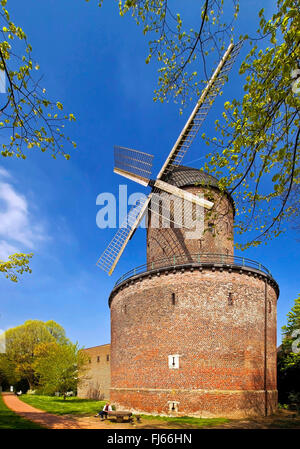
<point>93,61</point>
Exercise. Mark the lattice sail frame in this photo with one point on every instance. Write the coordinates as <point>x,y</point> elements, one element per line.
<point>133,164</point>
<point>113,252</point>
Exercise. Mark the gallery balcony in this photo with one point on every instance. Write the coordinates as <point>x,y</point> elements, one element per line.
<point>196,261</point>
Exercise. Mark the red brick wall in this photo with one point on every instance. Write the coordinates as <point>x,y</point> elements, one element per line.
<point>165,242</point>
<point>221,346</point>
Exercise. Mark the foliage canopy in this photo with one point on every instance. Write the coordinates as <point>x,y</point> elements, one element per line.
<point>58,366</point>
<point>18,361</point>
<point>289,358</point>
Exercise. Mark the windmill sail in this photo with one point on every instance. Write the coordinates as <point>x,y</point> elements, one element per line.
<point>137,166</point>
<point>133,164</point>
<point>201,110</point>
<point>109,258</point>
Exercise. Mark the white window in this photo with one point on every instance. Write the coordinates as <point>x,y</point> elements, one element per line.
<point>173,361</point>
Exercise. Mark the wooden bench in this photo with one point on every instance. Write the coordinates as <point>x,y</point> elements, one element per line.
<point>120,416</point>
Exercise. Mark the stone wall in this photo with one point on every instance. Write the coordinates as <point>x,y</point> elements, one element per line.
<point>95,382</point>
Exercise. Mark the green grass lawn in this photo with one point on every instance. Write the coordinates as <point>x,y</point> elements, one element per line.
<point>187,421</point>
<point>58,406</point>
<point>76,406</point>
<point>9,420</point>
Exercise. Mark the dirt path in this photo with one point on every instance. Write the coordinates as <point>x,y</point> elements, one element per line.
<point>57,422</point>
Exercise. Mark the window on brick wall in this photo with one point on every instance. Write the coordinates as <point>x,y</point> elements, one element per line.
<point>211,227</point>
<point>173,406</point>
<point>230,299</point>
<point>200,245</point>
<point>173,299</point>
<point>98,358</point>
<point>173,361</point>
<point>107,358</point>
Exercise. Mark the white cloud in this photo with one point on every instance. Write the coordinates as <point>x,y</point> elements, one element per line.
<point>7,250</point>
<point>4,173</point>
<point>18,231</point>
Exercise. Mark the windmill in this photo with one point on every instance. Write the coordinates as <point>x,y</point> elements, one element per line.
<point>136,165</point>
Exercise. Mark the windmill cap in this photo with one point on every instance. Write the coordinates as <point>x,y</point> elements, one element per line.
<point>182,176</point>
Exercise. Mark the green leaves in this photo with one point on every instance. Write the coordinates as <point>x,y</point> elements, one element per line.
<point>177,48</point>
<point>31,345</point>
<point>57,366</point>
<point>290,356</point>
<point>262,133</point>
<point>16,265</point>
<point>26,113</point>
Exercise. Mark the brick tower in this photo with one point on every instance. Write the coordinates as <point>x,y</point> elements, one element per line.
<point>193,331</point>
